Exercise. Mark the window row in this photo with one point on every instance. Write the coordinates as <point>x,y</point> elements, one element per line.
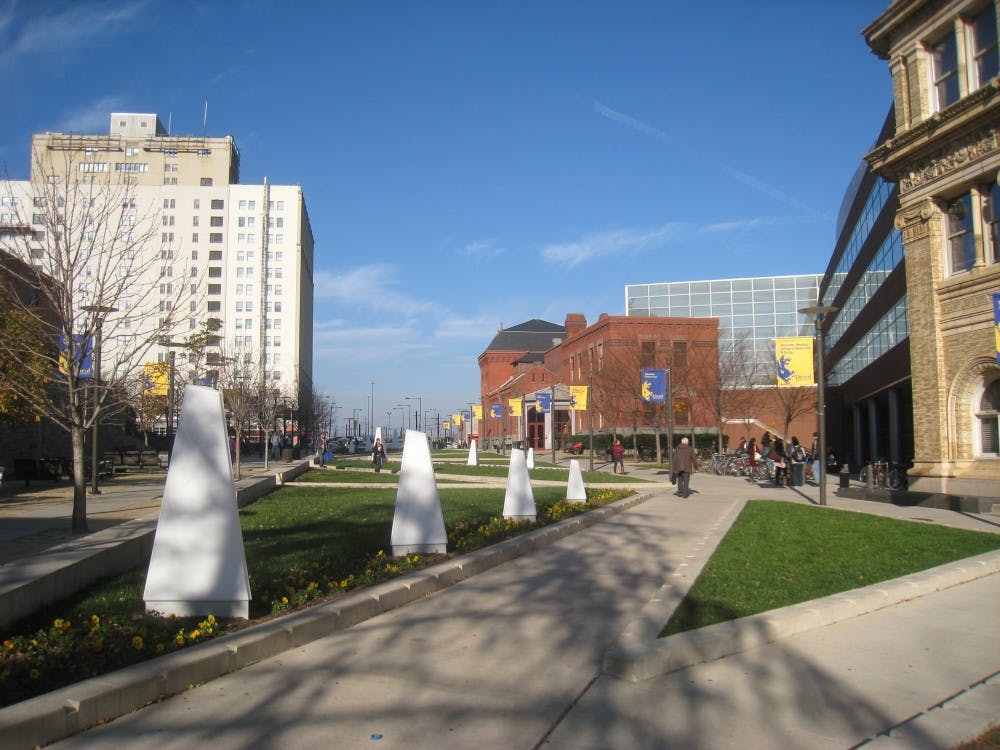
<point>973,229</point>
<point>964,58</point>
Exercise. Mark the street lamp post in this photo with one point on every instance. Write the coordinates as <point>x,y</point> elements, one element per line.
<point>95,376</point>
<point>420,405</point>
<point>401,409</point>
<point>818,313</point>
<point>171,345</point>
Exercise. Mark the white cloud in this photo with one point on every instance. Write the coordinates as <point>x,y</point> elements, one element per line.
<point>372,287</point>
<point>482,250</point>
<point>456,326</point>
<point>77,26</point>
<point>93,118</point>
<point>611,244</point>
<point>734,174</point>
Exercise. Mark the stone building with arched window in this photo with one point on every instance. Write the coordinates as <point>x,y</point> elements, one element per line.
<point>945,157</point>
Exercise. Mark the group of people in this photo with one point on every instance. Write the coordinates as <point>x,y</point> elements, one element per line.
<point>781,455</point>
<point>683,463</point>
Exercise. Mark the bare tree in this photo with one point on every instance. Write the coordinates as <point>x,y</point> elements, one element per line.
<point>794,402</point>
<point>732,395</point>
<point>86,244</point>
<point>238,373</point>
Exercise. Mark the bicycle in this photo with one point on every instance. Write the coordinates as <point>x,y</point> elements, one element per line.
<point>880,473</point>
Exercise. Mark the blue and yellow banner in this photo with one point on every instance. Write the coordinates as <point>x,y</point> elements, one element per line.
<point>578,397</point>
<point>996,325</point>
<point>156,378</point>
<point>496,411</point>
<point>515,407</point>
<point>543,402</point>
<point>653,386</point>
<point>794,361</point>
<point>457,419</point>
<point>82,352</point>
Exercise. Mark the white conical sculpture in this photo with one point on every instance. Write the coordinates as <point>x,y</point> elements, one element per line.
<point>519,500</point>
<point>473,455</point>
<point>198,565</point>
<point>378,434</point>
<point>531,458</point>
<point>575,490</point>
<point>418,523</point>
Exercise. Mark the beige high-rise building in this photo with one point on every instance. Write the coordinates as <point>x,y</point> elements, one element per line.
<point>238,254</point>
<point>945,155</point>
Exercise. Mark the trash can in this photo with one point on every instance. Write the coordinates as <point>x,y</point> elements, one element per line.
<point>796,474</point>
<point>287,454</point>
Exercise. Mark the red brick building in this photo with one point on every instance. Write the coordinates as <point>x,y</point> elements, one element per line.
<point>543,357</point>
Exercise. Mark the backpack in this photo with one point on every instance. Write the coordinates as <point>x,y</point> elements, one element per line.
<point>798,453</point>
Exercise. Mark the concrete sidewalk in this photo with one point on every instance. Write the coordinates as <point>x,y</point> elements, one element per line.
<point>513,657</point>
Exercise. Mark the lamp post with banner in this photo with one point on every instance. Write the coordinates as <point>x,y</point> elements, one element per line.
<point>99,312</point>
<point>654,388</point>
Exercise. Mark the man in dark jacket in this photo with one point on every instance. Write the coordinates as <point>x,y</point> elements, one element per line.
<point>683,464</point>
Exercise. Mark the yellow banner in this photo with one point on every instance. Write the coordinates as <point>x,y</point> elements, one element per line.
<point>477,411</point>
<point>446,425</point>
<point>457,419</point>
<point>794,361</point>
<point>157,376</point>
<point>515,405</point>
<point>578,397</point>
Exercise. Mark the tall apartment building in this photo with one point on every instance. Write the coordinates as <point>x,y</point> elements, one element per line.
<point>945,156</point>
<point>238,254</point>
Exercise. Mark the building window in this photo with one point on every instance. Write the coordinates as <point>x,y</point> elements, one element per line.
<point>961,239</point>
<point>169,202</point>
<point>216,221</point>
<point>130,167</point>
<point>215,255</point>
<point>984,46</point>
<point>944,56</point>
<point>92,166</point>
<point>215,237</point>
<point>992,216</point>
<point>214,272</point>
<point>206,182</point>
<point>215,306</point>
<point>987,417</point>
<point>218,204</point>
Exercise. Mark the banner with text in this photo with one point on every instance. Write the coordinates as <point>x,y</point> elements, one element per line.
<point>543,402</point>
<point>496,411</point>
<point>653,386</point>
<point>515,405</point>
<point>794,361</point>
<point>578,397</point>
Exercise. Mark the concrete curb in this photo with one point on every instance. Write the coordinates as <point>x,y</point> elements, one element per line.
<point>28,584</point>
<point>67,711</point>
<point>635,659</point>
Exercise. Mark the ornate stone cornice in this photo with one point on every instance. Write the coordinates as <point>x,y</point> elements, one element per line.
<point>945,131</point>
<point>950,157</point>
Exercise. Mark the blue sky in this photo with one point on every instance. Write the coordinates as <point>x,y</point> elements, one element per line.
<point>469,164</point>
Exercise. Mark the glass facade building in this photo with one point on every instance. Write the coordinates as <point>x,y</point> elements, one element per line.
<point>757,310</point>
<point>866,342</point>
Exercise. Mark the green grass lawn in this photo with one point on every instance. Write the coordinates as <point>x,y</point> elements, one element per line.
<point>778,553</point>
<point>303,545</point>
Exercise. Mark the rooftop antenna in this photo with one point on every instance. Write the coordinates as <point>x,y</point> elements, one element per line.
<point>204,119</point>
<point>170,120</point>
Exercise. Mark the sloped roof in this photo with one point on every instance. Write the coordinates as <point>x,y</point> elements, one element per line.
<point>532,336</point>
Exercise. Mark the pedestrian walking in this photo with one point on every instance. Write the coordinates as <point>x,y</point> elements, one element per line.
<point>378,455</point>
<point>780,462</point>
<point>618,456</point>
<point>683,464</point>
<point>275,445</point>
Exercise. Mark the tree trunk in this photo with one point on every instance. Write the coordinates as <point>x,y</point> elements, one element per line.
<point>79,483</point>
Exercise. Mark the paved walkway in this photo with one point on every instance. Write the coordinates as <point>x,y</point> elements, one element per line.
<point>512,658</point>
